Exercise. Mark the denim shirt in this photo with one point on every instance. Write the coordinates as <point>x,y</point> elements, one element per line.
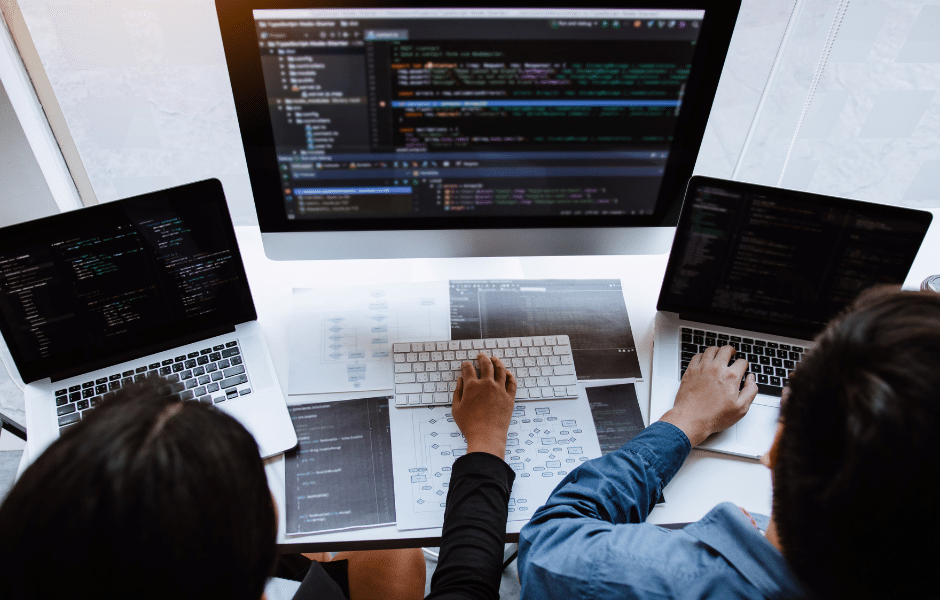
<point>589,540</point>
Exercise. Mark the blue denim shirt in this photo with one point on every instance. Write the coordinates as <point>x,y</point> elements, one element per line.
<point>590,541</point>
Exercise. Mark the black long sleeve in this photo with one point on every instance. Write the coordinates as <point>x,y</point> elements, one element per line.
<point>471,559</point>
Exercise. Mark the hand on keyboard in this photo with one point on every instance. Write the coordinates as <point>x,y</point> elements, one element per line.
<point>710,398</point>
<point>483,404</point>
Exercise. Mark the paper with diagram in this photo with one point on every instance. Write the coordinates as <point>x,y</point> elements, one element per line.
<point>546,441</point>
<point>341,338</point>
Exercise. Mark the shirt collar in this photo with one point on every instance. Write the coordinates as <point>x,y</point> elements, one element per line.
<point>728,531</point>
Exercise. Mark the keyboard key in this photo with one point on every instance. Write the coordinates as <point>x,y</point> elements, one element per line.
<point>64,410</point>
<point>140,370</point>
<point>61,400</point>
<point>75,396</point>
<point>167,362</point>
<point>218,348</point>
<point>236,360</point>
<point>189,364</point>
<point>231,344</point>
<point>88,393</point>
<point>206,399</point>
<point>82,404</point>
<point>69,419</point>
<point>153,366</point>
<point>179,359</point>
<point>129,373</point>
<point>88,384</point>
<point>205,351</point>
<point>192,355</point>
<point>230,381</point>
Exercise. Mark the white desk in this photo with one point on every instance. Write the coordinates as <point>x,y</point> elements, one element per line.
<point>705,479</point>
<point>703,482</point>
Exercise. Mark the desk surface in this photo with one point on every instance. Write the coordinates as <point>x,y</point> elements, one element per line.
<point>705,480</point>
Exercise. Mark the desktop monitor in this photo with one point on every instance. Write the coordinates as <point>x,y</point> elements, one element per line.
<point>433,130</point>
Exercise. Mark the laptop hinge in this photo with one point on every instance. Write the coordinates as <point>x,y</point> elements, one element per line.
<point>800,333</point>
<point>141,352</point>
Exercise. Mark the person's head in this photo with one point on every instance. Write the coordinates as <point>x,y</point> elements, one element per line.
<point>148,497</point>
<point>856,483</point>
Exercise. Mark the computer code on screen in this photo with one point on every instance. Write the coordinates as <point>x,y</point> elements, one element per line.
<point>780,259</point>
<point>469,112</point>
<point>107,281</point>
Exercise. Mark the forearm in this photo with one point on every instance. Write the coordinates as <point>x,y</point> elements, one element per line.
<point>473,538</point>
<point>621,487</point>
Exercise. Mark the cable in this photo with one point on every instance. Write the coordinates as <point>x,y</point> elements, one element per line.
<point>431,553</point>
<point>820,67</point>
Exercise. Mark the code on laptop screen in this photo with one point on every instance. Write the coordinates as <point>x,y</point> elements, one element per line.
<point>103,281</point>
<point>784,258</point>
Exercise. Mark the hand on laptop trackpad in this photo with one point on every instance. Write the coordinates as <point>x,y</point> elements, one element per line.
<point>758,427</point>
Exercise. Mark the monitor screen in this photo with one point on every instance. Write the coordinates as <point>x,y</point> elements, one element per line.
<point>440,118</point>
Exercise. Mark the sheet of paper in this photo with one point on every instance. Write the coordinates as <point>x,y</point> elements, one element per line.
<point>340,475</point>
<point>341,338</point>
<point>616,413</point>
<point>591,312</point>
<point>547,439</point>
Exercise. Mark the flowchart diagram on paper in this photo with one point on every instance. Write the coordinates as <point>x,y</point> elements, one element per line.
<point>341,338</point>
<point>546,441</point>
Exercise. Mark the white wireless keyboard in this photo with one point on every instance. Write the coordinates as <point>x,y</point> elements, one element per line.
<point>426,373</point>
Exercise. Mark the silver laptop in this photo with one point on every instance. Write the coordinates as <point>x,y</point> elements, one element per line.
<point>95,299</point>
<point>764,269</point>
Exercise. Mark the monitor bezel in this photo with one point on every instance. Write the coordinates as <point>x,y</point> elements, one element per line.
<point>244,64</point>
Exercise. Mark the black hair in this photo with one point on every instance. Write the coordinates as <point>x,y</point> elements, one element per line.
<point>148,497</point>
<point>856,481</point>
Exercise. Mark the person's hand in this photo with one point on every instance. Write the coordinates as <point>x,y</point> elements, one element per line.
<point>483,405</point>
<point>709,399</point>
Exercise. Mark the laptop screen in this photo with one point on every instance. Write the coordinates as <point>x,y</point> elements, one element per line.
<point>781,261</point>
<point>97,286</point>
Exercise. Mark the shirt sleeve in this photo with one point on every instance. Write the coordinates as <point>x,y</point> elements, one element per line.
<point>474,534</point>
<point>572,532</point>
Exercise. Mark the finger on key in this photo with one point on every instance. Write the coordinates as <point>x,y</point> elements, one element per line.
<point>486,367</point>
<point>499,371</point>
<point>458,391</point>
<point>467,371</point>
<point>724,354</point>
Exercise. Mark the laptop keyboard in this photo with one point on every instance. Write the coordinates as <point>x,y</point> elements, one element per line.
<point>426,373</point>
<point>211,375</point>
<point>771,362</point>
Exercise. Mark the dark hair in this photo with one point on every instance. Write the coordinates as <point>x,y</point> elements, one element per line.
<point>149,497</point>
<point>856,482</point>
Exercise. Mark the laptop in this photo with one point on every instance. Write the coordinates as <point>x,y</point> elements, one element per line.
<point>95,299</point>
<point>764,269</point>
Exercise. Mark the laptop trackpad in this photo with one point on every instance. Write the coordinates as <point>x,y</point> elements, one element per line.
<point>254,355</point>
<point>758,427</point>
